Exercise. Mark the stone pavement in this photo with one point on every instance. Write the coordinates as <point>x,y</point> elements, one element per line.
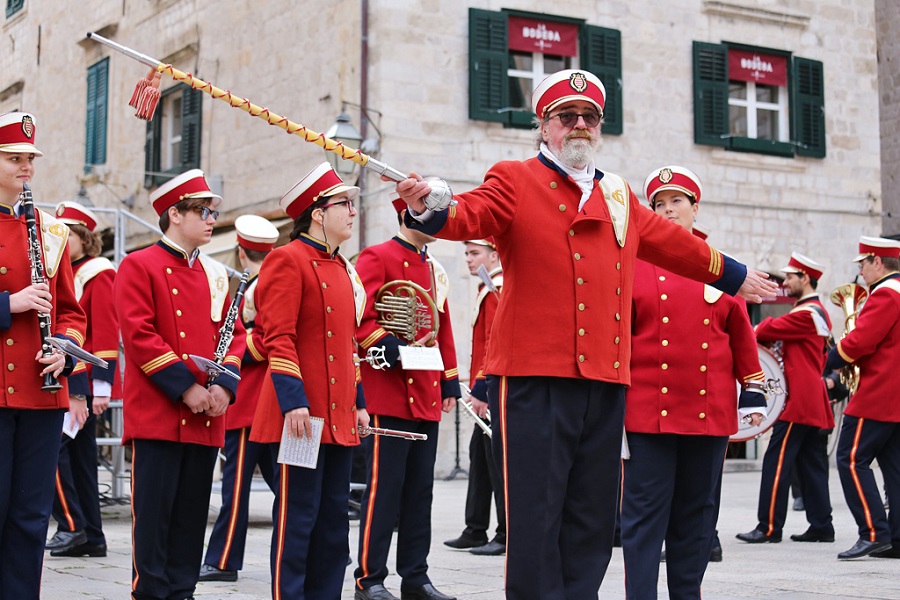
<point>785,571</point>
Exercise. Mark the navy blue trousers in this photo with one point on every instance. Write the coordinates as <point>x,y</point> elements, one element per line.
<point>399,491</point>
<point>861,442</point>
<point>669,493</point>
<point>484,485</point>
<point>561,440</point>
<point>29,451</point>
<point>803,447</point>
<point>225,550</point>
<point>76,505</point>
<point>170,487</point>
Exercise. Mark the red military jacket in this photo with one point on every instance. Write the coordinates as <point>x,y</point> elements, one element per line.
<point>253,365</point>
<point>413,395</point>
<point>485,308</point>
<point>165,308</point>
<point>690,343</point>
<point>566,309</point>
<point>20,332</point>
<point>874,346</point>
<point>94,279</point>
<point>308,318</point>
<point>803,349</point>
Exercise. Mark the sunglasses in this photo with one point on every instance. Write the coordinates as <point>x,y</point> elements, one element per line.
<point>570,119</point>
<point>205,212</point>
<point>348,203</point>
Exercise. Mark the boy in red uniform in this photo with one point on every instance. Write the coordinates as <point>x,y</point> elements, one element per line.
<point>171,303</point>
<point>256,237</point>
<point>76,507</point>
<point>30,419</point>
<point>310,302</point>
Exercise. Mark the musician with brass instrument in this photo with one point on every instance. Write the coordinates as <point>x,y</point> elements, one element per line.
<point>871,425</point>
<point>690,343</point>
<point>173,303</point>
<point>799,435</point>
<point>76,507</point>
<point>256,237</point>
<point>485,480</point>
<point>35,288</point>
<point>407,313</point>
<point>310,301</point>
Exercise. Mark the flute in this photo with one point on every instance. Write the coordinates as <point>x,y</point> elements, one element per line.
<point>407,435</point>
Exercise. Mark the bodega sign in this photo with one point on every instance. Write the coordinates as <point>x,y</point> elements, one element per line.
<point>548,37</point>
<point>767,69</point>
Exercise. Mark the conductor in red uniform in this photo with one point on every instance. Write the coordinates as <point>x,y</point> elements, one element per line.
<point>256,237</point>
<point>400,474</point>
<point>871,427</point>
<point>76,506</point>
<point>171,303</point>
<point>310,302</point>
<point>797,438</point>
<point>562,355</point>
<point>690,343</point>
<point>30,419</point>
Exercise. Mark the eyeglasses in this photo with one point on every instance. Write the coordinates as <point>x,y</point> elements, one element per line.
<point>348,203</point>
<point>205,212</point>
<point>570,119</point>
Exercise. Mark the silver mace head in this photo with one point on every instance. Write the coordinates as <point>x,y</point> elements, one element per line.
<point>441,196</point>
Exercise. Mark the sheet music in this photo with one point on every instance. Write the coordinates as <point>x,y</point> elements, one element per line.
<point>301,452</point>
<point>421,358</point>
<point>70,425</point>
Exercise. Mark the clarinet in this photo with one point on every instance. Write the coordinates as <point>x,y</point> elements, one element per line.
<point>50,383</point>
<point>226,333</point>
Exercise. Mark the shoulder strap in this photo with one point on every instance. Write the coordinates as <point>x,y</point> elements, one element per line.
<point>88,271</point>
<point>615,193</point>
<point>217,277</point>
<point>54,237</point>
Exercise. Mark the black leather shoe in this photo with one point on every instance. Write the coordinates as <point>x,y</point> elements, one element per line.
<point>466,541</point>
<point>811,535</point>
<point>715,554</point>
<point>863,548</point>
<point>758,537</point>
<point>93,550</point>
<point>66,540</point>
<point>492,548</point>
<point>892,552</point>
<point>426,592</point>
<point>211,573</point>
<point>376,592</point>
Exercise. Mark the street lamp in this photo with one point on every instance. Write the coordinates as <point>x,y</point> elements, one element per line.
<point>343,131</point>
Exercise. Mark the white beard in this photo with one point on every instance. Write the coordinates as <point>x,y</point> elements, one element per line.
<point>577,153</point>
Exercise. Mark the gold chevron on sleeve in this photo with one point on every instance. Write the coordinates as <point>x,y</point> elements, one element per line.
<point>79,368</point>
<point>373,337</point>
<point>75,335</point>
<point>232,360</point>
<point>105,354</point>
<point>284,366</point>
<point>715,262</point>
<point>846,357</point>
<point>158,362</point>
<point>758,376</point>
<point>251,346</point>
<point>451,373</point>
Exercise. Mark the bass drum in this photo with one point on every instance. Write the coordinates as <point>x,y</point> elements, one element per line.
<point>773,369</point>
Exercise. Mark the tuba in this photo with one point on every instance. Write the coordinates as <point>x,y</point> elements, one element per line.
<point>849,297</point>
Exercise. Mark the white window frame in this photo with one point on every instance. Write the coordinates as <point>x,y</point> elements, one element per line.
<point>537,73</point>
<point>171,133</point>
<point>752,106</point>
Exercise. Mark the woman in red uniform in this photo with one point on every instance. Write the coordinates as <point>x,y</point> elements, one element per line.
<point>310,301</point>
<point>690,343</point>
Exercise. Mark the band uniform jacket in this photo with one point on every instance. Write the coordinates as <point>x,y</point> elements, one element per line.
<point>803,350</point>
<point>874,346</point>
<point>165,307</point>
<point>412,395</point>
<point>94,279</point>
<point>485,308</point>
<point>20,334</point>
<point>566,309</point>
<point>691,343</point>
<point>308,318</point>
<point>253,364</point>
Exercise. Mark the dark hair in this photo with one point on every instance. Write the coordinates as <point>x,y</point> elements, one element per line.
<point>182,206</point>
<point>256,256</point>
<point>304,221</point>
<point>890,263</point>
<point>89,241</point>
<point>400,216</point>
<point>813,282</point>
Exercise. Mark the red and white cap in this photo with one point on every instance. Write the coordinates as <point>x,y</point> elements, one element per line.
<point>672,178</point>
<point>255,233</point>
<point>398,205</point>
<point>72,213</point>
<point>565,86</point>
<point>17,133</point>
<point>188,185</point>
<point>804,264</point>
<point>488,243</point>
<point>322,181</point>
<point>700,231</point>
<point>876,246</point>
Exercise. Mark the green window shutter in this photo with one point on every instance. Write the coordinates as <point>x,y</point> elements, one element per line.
<point>191,103</point>
<point>808,107</point>
<point>95,138</point>
<point>13,6</point>
<point>601,54</point>
<point>710,94</point>
<point>151,152</point>
<point>488,81</point>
